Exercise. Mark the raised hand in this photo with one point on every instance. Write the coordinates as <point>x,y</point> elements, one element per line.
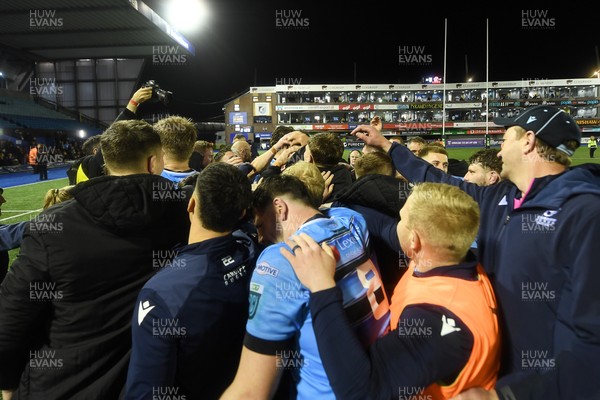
<point>372,136</point>
<point>377,123</point>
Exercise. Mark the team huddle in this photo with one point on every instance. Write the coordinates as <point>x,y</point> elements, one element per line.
<point>292,275</point>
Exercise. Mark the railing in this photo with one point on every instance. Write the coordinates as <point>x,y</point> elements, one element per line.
<point>71,113</point>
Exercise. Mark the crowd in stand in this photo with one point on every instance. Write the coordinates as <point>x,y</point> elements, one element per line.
<point>164,271</point>
<point>62,148</point>
<point>10,154</point>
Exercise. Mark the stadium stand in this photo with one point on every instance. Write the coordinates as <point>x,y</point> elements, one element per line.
<point>22,111</point>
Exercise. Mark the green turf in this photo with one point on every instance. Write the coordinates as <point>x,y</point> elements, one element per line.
<point>26,198</point>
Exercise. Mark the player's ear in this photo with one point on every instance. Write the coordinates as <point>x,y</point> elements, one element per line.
<point>529,142</point>
<point>281,208</point>
<point>494,177</point>
<point>415,241</point>
<point>191,208</point>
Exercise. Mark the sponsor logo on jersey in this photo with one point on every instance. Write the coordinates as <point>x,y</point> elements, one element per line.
<point>256,291</point>
<point>265,269</point>
<point>234,275</point>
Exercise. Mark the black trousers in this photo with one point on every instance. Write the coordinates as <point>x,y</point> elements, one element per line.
<point>43,170</point>
<point>592,151</point>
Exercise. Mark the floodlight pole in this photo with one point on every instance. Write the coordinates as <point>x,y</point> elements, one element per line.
<point>444,83</point>
<point>487,81</point>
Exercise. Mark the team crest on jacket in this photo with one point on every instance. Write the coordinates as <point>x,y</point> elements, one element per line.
<point>546,219</point>
<point>256,292</point>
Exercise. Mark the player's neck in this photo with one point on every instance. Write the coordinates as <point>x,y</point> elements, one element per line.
<point>297,216</point>
<point>199,234</point>
<point>177,166</point>
<point>428,260</point>
<point>537,168</point>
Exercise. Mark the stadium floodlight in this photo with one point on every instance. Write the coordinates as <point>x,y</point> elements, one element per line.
<point>187,16</point>
<point>81,133</point>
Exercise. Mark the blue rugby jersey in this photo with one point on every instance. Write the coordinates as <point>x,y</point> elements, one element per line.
<point>279,319</point>
<point>176,176</point>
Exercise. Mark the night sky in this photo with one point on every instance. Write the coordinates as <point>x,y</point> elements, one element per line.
<point>249,43</point>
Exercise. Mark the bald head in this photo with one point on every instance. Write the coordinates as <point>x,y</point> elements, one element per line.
<point>242,149</point>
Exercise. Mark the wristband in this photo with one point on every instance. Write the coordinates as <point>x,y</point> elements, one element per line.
<point>274,150</point>
<point>135,103</point>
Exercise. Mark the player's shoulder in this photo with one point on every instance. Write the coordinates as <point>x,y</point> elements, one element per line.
<point>342,212</point>
<point>347,217</point>
<point>271,263</point>
<point>272,252</point>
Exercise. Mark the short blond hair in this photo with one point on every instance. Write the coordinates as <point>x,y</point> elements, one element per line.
<point>374,163</point>
<point>201,145</point>
<point>432,148</point>
<point>178,136</point>
<point>446,216</point>
<point>310,175</point>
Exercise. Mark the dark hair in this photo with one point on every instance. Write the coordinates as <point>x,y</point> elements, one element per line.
<point>224,193</point>
<point>219,155</point>
<point>278,133</point>
<point>326,148</point>
<point>352,151</point>
<point>92,143</point>
<point>127,143</point>
<point>278,185</point>
<point>189,180</point>
<point>488,158</point>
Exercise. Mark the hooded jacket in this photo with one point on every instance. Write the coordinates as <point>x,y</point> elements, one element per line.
<point>379,199</point>
<point>342,179</point>
<point>380,192</point>
<point>67,301</point>
<point>542,261</point>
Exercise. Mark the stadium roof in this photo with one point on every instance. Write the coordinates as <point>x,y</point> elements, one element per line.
<point>72,29</point>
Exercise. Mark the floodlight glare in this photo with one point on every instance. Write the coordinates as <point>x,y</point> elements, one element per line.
<point>187,15</point>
